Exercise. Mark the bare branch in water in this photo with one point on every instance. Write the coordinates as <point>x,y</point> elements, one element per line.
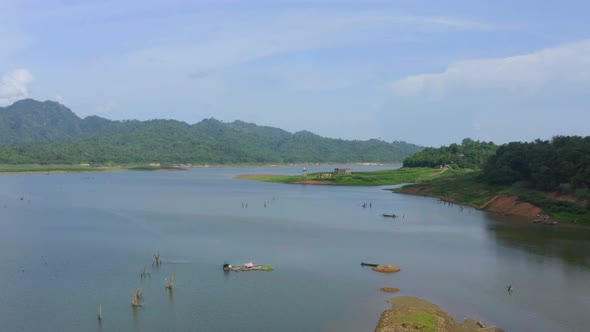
<point>171,281</point>
<point>135,302</point>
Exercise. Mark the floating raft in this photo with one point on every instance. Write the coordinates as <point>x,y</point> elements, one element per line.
<point>243,268</point>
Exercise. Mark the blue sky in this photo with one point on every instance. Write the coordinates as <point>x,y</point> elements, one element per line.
<point>427,72</point>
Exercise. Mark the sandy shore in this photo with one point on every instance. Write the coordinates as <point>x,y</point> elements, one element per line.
<point>410,314</point>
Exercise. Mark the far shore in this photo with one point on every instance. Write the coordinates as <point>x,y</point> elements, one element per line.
<point>62,169</point>
<point>6,169</point>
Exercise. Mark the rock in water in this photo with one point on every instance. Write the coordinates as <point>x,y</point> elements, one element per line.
<point>390,289</point>
<point>386,268</point>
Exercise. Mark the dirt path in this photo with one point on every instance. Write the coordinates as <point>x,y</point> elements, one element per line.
<point>442,171</point>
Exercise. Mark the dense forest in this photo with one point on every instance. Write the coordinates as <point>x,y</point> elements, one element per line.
<point>469,154</point>
<point>562,164</point>
<point>553,175</point>
<point>33,132</point>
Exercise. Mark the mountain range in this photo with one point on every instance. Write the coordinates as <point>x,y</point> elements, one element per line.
<point>48,132</point>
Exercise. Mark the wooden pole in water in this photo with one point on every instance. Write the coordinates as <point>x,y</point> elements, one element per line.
<point>134,302</point>
<point>171,281</point>
<point>100,312</point>
<point>138,294</point>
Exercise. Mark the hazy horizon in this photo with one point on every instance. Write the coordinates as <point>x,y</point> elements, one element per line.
<point>417,71</point>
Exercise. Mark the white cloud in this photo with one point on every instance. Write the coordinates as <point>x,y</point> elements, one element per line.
<point>529,72</point>
<point>14,86</point>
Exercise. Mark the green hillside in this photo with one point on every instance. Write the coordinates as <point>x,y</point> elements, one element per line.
<point>33,132</point>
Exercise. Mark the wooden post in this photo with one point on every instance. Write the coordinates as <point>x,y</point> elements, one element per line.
<point>171,281</point>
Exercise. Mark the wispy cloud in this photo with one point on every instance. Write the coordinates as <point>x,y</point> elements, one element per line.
<point>263,35</point>
<point>528,72</point>
<point>14,86</point>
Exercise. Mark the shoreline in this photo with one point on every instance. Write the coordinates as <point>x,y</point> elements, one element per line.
<point>531,206</point>
<point>456,187</point>
<point>525,219</point>
<point>384,177</point>
<point>513,207</point>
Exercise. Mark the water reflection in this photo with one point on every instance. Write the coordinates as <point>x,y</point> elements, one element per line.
<point>135,310</point>
<point>171,296</point>
<point>568,243</point>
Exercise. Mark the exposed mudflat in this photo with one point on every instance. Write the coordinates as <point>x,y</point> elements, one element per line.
<point>414,314</point>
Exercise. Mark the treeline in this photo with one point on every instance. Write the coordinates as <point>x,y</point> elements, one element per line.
<point>33,132</point>
<point>469,154</point>
<point>562,164</point>
<point>140,149</point>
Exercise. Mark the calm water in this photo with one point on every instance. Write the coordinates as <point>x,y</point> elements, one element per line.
<point>75,241</point>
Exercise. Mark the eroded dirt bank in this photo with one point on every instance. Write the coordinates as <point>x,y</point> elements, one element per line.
<point>502,204</point>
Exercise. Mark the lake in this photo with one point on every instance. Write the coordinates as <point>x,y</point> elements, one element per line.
<point>72,242</point>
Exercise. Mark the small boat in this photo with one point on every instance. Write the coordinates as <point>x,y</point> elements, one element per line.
<point>246,267</point>
<point>389,215</point>
<point>369,264</point>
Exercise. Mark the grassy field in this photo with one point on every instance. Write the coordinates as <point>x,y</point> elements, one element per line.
<point>420,321</point>
<point>375,178</point>
<point>467,189</point>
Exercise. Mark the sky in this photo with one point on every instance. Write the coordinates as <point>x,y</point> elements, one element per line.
<point>425,72</point>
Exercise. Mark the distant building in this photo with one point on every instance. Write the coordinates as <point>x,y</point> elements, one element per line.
<point>346,171</point>
<point>323,176</point>
<point>85,165</point>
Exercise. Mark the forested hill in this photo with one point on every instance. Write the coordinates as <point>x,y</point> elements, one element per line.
<point>48,132</point>
<point>468,154</point>
<point>562,164</point>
